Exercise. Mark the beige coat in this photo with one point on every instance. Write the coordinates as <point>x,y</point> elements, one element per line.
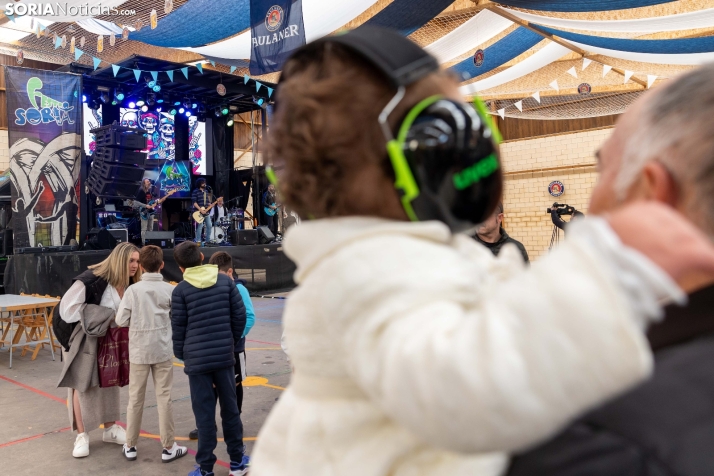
<point>146,309</point>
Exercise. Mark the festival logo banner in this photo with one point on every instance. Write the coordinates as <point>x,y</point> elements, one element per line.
<point>276,31</point>
<point>45,137</point>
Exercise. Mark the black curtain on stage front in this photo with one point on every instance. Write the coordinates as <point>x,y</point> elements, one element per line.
<point>222,158</point>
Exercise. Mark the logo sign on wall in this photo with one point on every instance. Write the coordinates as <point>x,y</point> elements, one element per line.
<point>45,137</point>
<point>584,89</point>
<point>478,58</point>
<point>556,188</point>
<point>276,30</point>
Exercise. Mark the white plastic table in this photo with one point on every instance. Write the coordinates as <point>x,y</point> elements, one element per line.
<point>16,305</point>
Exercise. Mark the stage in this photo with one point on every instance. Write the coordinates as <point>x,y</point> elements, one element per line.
<point>264,267</point>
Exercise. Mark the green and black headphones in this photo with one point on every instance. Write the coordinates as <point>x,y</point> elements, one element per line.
<point>445,153</point>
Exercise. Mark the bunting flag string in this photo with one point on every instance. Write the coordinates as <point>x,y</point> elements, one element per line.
<point>502,113</point>
<point>554,85</point>
<point>572,72</point>
<point>586,63</point>
<point>519,105</point>
<point>155,75</point>
<point>185,72</point>
<point>77,53</point>
<point>233,68</point>
<point>96,62</point>
<point>246,78</point>
<point>115,69</point>
<point>257,86</point>
<point>270,92</point>
<point>651,78</point>
<point>170,74</point>
<point>58,42</point>
<point>628,75</point>
<point>536,96</point>
<point>213,63</point>
<point>605,69</point>
<point>200,68</point>
<point>137,74</point>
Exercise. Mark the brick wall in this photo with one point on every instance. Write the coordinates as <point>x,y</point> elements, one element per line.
<point>530,165</point>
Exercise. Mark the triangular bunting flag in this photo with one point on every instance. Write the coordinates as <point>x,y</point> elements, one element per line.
<point>200,67</point>
<point>554,85</point>
<point>605,69</point>
<point>58,42</point>
<point>246,78</point>
<point>519,105</point>
<point>12,18</point>
<point>651,78</point>
<point>572,72</point>
<point>502,113</point>
<point>586,63</point>
<point>42,27</point>
<point>213,63</point>
<point>137,74</point>
<point>536,96</point>
<point>185,72</point>
<point>115,69</point>
<point>257,86</point>
<point>96,62</point>
<point>154,74</point>
<point>628,75</point>
<point>270,92</point>
<point>170,74</point>
<point>233,68</point>
<point>77,53</point>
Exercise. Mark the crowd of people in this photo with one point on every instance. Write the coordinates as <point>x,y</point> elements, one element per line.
<point>202,322</point>
<point>415,350</point>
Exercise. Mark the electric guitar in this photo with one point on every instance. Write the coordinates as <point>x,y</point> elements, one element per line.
<point>150,209</point>
<point>271,210</point>
<point>200,215</point>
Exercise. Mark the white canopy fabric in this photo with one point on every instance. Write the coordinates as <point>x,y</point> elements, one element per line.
<point>682,21</point>
<point>321,17</point>
<point>679,59</point>
<point>481,28</point>
<point>101,27</point>
<point>546,55</point>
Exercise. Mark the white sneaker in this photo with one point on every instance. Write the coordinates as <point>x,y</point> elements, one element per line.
<point>114,434</point>
<point>81,446</point>
<point>175,452</point>
<point>129,452</point>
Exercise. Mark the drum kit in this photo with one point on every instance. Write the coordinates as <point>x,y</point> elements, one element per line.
<point>226,224</point>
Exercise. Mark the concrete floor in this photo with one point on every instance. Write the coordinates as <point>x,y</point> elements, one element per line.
<point>34,422</point>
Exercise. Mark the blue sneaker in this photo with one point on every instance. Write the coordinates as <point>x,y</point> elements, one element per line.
<point>240,469</point>
<point>197,471</point>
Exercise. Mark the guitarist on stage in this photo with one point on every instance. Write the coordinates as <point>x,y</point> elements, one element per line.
<point>270,208</point>
<point>202,200</point>
<point>145,195</point>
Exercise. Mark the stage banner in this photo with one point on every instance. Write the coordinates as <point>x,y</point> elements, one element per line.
<point>45,136</point>
<point>276,31</point>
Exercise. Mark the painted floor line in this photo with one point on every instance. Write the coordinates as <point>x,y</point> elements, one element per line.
<point>63,401</point>
<point>263,342</point>
<point>30,438</point>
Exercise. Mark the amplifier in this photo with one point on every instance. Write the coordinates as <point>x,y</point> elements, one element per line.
<point>162,239</point>
<point>120,234</point>
<point>110,171</point>
<point>114,135</point>
<point>119,156</point>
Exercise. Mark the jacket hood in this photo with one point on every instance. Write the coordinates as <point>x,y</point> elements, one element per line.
<point>313,241</point>
<point>201,277</point>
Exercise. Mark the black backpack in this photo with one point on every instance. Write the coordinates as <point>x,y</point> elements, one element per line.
<point>63,330</point>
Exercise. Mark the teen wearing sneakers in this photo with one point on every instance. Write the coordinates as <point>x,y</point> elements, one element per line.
<point>146,309</point>
<point>225,266</point>
<point>89,405</point>
<point>207,319</point>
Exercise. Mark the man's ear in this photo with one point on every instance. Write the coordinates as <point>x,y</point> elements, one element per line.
<point>202,257</point>
<point>657,183</point>
<point>183,270</point>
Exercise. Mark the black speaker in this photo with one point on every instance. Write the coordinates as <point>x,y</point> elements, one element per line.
<point>103,187</point>
<point>120,234</point>
<point>243,237</point>
<point>265,235</point>
<point>119,156</point>
<point>109,171</point>
<point>99,239</point>
<point>162,239</point>
<point>114,135</point>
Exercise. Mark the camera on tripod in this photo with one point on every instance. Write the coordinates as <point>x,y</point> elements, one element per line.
<point>561,209</point>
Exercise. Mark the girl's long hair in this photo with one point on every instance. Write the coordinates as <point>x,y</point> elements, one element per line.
<point>115,269</point>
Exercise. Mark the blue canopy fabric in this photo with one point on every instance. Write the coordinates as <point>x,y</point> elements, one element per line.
<point>407,16</point>
<point>499,53</point>
<point>580,5</point>
<point>179,28</point>
<point>703,44</point>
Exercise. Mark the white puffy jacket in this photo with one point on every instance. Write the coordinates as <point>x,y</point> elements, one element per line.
<point>416,352</point>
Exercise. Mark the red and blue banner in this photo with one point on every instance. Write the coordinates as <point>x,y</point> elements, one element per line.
<point>45,135</point>
<point>277,30</point>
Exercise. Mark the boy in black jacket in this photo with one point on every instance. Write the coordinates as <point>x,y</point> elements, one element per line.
<point>208,317</point>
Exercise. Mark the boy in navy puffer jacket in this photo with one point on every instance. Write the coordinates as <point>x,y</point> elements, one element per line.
<point>208,317</point>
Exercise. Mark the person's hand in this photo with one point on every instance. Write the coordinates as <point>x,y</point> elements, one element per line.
<point>673,243</point>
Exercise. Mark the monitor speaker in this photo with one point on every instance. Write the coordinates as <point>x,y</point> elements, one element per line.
<point>120,234</point>
<point>265,235</point>
<point>243,237</point>
<point>162,239</point>
<point>99,239</point>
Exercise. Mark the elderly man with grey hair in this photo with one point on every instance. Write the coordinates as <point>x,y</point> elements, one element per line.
<point>661,150</point>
